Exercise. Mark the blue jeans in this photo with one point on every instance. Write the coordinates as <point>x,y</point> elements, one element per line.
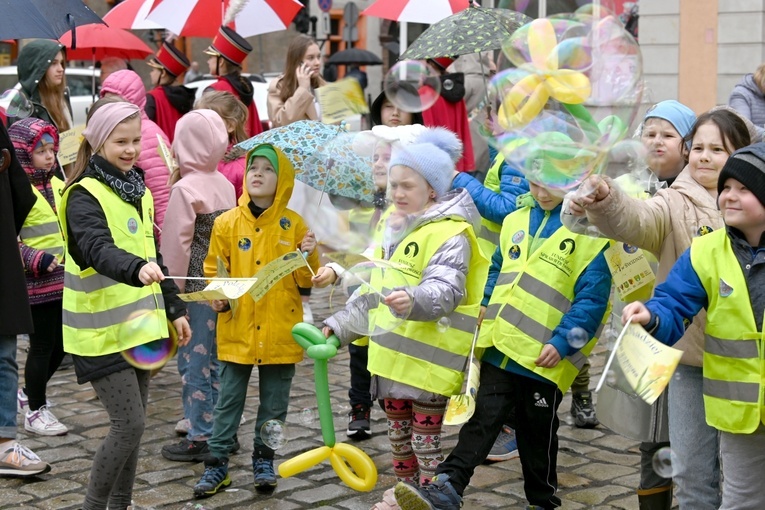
<point>198,366</point>
<point>9,386</point>
<point>696,445</point>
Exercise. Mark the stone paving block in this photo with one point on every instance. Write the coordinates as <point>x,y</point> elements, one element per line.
<point>618,443</point>
<point>621,459</point>
<point>165,475</point>
<point>632,480</point>
<point>62,501</point>
<point>603,472</point>
<point>485,476</point>
<point>566,460</point>
<point>55,455</point>
<point>628,503</point>
<point>596,495</point>
<point>323,494</point>
<point>568,480</point>
<point>50,488</point>
<point>13,498</point>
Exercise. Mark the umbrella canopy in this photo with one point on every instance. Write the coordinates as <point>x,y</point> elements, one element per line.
<point>470,31</point>
<point>100,41</point>
<point>43,19</point>
<point>203,18</point>
<point>323,156</point>
<point>131,15</point>
<point>415,11</point>
<point>355,56</point>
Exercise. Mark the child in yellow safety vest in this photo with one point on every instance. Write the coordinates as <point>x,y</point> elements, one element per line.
<point>724,273</point>
<point>116,295</point>
<point>42,250</point>
<point>415,366</point>
<point>546,297</point>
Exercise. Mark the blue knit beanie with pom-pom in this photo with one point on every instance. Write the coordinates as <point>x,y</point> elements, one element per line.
<point>433,155</point>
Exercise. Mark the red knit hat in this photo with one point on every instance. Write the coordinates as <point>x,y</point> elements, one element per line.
<point>170,59</point>
<point>229,45</point>
<point>443,62</point>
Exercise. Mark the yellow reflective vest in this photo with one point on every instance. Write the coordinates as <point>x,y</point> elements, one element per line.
<point>102,316</point>
<point>488,237</point>
<point>532,294</point>
<point>417,353</point>
<point>734,351</point>
<point>41,229</point>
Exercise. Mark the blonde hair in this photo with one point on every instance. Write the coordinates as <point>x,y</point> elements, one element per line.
<point>231,110</point>
<point>759,77</point>
<point>52,98</point>
<point>86,151</point>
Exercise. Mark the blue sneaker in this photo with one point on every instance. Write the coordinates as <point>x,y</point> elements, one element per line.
<point>213,479</point>
<point>505,446</point>
<point>265,476</point>
<point>438,495</point>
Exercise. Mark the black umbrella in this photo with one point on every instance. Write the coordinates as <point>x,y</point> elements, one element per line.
<point>355,56</point>
<point>43,19</point>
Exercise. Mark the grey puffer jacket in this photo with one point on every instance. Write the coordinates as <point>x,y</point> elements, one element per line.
<point>748,100</point>
<point>442,287</point>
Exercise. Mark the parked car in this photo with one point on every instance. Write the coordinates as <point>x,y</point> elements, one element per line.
<point>260,94</point>
<point>78,79</point>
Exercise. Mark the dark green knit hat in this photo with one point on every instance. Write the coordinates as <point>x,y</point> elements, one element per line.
<point>264,151</point>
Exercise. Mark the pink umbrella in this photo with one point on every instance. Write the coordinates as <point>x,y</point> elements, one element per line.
<point>203,18</point>
<point>415,11</point>
<point>131,15</point>
<point>95,42</point>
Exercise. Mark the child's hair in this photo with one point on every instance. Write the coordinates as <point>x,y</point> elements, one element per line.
<point>52,98</point>
<point>86,151</point>
<point>231,110</point>
<point>759,77</point>
<point>732,128</point>
<point>295,52</point>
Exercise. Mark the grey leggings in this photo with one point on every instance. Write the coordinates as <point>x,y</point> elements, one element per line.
<point>124,395</point>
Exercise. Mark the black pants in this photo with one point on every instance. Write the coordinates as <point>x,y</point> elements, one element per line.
<point>536,404</point>
<point>46,350</point>
<point>361,379</point>
<point>649,479</point>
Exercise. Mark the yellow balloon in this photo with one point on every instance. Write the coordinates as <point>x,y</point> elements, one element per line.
<point>304,461</point>
<point>365,476</point>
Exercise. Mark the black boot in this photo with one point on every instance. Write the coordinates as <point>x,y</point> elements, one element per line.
<point>659,498</point>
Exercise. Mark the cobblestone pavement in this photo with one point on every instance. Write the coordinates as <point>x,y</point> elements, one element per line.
<point>596,468</point>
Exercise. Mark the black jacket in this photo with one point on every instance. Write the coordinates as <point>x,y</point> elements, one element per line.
<point>91,245</point>
<point>16,200</point>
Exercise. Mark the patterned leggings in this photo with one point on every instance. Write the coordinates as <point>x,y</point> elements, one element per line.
<point>414,431</point>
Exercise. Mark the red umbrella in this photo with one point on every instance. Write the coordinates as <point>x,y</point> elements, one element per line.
<point>415,11</point>
<point>95,42</point>
<point>203,18</point>
<point>131,15</point>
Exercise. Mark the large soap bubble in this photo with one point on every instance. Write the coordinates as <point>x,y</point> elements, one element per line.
<point>412,86</point>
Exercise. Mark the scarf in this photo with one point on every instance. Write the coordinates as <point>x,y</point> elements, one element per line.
<point>128,186</point>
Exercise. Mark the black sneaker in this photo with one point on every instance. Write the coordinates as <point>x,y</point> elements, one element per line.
<point>358,422</point>
<point>265,476</point>
<point>583,410</point>
<point>186,451</point>
<point>213,479</point>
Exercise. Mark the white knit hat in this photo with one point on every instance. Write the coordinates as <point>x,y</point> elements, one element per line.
<point>433,155</point>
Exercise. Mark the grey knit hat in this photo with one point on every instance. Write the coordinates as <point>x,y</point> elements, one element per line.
<point>433,155</point>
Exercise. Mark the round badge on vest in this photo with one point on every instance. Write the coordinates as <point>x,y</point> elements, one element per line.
<point>704,230</point>
<point>514,252</point>
<point>132,225</point>
<point>285,223</point>
<point>244,244</point>
<point>518,236</point>
<point>411,250</point>
<point>629,248</point>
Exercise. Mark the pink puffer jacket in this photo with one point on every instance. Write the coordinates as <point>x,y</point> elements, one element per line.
<point>128,85</point>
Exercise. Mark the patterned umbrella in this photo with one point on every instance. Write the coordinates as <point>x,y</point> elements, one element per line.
<point>323,157</point>
<point>470,31</point>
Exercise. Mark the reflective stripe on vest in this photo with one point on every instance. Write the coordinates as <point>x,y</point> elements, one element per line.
<point>103,316</point>
<point>417,353</point>
<point>41,229</point>
<point>524,310</point>
<point>734,369</point>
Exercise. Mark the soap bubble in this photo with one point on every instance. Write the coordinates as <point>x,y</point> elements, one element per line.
<point>412,86</point>
<point>443,324</point>
<point>662,462</point>
<point>611,377</point>
<point>152,354</point>
<point>577,338</point>
<point>306,416</point>
<point>273,433</point>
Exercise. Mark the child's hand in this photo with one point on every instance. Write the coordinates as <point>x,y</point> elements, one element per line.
<point>324,276</point>
<point>150,273</point>
<point>601,190</point>
<point>636,312</point>
<point>308,244</point>
<point>480,316</point>
<point>183,329</point>
<point>327,331</point>
<point>399,301</point>
<point>53,265</point>
<point>219,305</point>
<point>549,357</point>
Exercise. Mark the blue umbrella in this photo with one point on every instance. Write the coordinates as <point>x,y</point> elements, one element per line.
<point>43,19</point>
<point>323,157</point>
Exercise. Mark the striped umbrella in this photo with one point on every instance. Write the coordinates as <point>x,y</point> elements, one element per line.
<point>131,15</point>
<point>415,11</point>
<point>203,18</point>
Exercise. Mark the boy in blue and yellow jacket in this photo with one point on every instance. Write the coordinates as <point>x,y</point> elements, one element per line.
<point>545,299</point>
<point>724,273</point>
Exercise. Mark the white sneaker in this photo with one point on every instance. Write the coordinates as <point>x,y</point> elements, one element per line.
<point>22,402</point>
<point>18,460</point>
<point>44,423</point>
<point>307,313</point>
